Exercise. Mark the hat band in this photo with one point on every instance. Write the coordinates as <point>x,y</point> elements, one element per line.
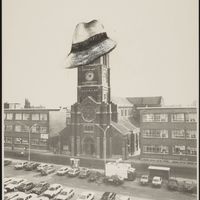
<point>89,42</point>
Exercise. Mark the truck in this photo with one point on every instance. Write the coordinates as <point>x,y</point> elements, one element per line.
<point>163,172</point>
<point>122,170</point>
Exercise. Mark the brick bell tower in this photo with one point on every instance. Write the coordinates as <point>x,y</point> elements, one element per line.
<point>91,114</point>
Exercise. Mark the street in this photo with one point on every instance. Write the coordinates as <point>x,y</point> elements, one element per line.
<point>130,188</point>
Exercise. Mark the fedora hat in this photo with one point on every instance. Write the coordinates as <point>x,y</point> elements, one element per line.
<point>89,42</point>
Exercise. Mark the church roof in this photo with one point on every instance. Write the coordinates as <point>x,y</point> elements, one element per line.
<point>121,101</point>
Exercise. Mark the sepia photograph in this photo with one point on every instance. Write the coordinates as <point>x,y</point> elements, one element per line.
<point>100,100</point>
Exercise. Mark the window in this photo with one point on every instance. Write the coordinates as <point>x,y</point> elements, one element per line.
<point>8,128</point>
<point>191,134</point>
<point>43,142</point>
<point>88,128</point>
<point>155,133</point>
<point>43,117</point>
<point>26,116</point>
<point>34,141</point>
<point>191,117</point>
<point>18,116</point>
<point>178,150</point>
<point>18,128</point>
<point>125,112</point>
<point>177,117</point>
<point>156,149</point>
<point>9,116</point>
<point>43,129</point>
<point>122,112</point>
<point>35,129</point>
<point>35,117</point>
<point>25,129</point>
<point>155,118</point>
<point>178,134</point>
<point>191,151</point>
<point>8,140</point>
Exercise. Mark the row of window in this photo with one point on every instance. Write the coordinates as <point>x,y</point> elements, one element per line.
<point>175,134</point>
<point>178,117</point>
<point>20,128</point>
<point>176,150</point>
<point>18,140</point>
<point>125,112</point>
<point>26,116</point>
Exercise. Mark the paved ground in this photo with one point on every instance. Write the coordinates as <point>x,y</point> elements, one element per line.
<point>128,188</point>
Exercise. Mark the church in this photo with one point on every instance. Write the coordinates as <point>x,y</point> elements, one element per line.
<point>97,129</point>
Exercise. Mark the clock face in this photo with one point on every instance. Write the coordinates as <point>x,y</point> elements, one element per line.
<point>88,114</point>
<point>89,76</point>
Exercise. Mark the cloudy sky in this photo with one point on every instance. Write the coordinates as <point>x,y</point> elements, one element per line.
<point>156,53</point>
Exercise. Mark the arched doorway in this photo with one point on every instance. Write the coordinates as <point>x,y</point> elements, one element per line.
<point>88,146</point>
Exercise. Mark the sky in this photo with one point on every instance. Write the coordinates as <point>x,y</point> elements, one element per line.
<point>156,53</point>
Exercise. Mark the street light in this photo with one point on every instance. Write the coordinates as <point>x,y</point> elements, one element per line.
<point>104,141</point>
<point>29,136</point>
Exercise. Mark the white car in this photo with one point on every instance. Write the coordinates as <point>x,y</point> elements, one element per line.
<point>63,171</point>
<point>86,196</point>
<point>123,197</point>
<point>144,180</point>
<point>157,181</point>
<point>43,166</point>
<point>14,183</point>
<point>21,165</point>
<point>24,196</point>
<point>12,195</point>
<point>66,194</point>
<point>53,190</point>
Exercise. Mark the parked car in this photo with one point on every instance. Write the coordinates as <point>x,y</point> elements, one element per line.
<point>94,176</point>
<point>116,180</point>
<point>47,170</point>
<point>73,172</point>
<point>172,184</point>
<point>144,180</point>
<point>7,180</point>
<point>40,198</point>
<point>62,171</point>
<point>14,184</point>
<point>40,187</point>
<point>21,165</point>
<point>12,195</point>
<point>31,166</point>
<point>84,172</point>
<point>108,196</point>
<point>189,186</point>
<point>43,166</point>
<point>66,194</point>
<point>25,186</point>
<point>157,181</point>
<point>53,190</point>
<point>123,197</point>
<point>24,196</point>
<point>86,196</point>
<point>7,162</point>
<point>5,191</point>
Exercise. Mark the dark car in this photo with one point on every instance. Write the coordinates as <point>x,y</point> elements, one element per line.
<point>26,186</point>
<point>189,186</point>
<point>31,166</point>
<point>7,162</point>
<point>40,187</point>
<point>172,184</point>
<point>108,196</point>
<point>94,176</point>
<point>115,180</point>
<point>84,173</point>
<point>47,170</point>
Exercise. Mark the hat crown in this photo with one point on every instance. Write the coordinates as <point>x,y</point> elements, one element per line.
<point>83,31</point>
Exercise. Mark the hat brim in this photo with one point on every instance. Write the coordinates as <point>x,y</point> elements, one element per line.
<point>87,56</point>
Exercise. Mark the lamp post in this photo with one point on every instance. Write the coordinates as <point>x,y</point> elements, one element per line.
<point>104,141</point>
<point>29,138</point>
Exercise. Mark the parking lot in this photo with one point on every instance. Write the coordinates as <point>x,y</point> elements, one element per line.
<point>130,188</point>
